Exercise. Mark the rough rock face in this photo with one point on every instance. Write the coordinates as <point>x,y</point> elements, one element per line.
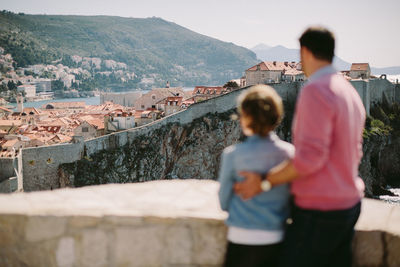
<point>389,162</point>
<point>369,166</point>
<point>380,165</point>
<point>175,151</point>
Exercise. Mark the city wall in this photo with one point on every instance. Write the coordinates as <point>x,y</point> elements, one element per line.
<point>124,99</point>
<point>159,223</point>
<point>375,90</point>
<point>40,166</point>
<point>6,168</point>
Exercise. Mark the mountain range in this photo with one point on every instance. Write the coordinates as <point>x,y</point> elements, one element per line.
<point>154,49</point>
<point>280,53</point>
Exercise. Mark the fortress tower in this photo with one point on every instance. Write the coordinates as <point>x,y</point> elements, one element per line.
<point>20,103</point>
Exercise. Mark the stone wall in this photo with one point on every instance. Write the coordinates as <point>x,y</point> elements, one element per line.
<point>160,223</point>
<point>380,87</point>
<point>6,168</point>
<point>374,90</point>
<point>397,92</point>
<point>125,99</point>
<point>40,165</point>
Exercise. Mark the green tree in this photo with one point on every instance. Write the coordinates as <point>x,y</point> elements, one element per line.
<point>57,85</point>
<point>11,85</point>
<point>231,84</point>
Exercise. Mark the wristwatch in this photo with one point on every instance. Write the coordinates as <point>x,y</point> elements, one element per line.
<point>265,185</point>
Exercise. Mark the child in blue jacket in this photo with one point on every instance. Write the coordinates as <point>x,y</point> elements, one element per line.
<point>255,226</point>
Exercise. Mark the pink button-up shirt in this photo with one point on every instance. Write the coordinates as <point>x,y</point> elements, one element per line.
<point>327,134</point>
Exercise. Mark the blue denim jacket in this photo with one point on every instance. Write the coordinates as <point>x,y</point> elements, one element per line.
<point>268,210</point>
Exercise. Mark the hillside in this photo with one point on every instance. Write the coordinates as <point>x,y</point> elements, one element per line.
<point>281,53</point>
<point>154,49</point>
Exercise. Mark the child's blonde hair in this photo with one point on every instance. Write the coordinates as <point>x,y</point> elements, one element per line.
<point>263,106</point>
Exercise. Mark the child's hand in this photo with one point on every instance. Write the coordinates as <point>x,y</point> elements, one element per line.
<point>250,187</point>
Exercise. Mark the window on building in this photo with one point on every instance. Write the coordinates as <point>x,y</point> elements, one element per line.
<point>153,106</point>
<point>153,96</point>
<point>85,129</point>
<point>142,106</point>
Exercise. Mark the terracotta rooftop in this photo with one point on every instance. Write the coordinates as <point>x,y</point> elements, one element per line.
<point>29,110</point>
<point>274,66</point>
<point>10,143</point>
<point>97,123</point>
<point>64,105</point>
<point>10,123</point>
<point>208,90</point>
<point>5,110</point>
<point>359,66</point>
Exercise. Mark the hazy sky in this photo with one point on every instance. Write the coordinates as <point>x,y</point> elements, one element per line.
<point>365,31</point>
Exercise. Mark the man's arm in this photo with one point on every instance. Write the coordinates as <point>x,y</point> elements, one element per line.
<point>251,186</point>
<point>314,115</point>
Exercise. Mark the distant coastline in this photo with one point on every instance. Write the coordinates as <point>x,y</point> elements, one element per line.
<point>94,100</point>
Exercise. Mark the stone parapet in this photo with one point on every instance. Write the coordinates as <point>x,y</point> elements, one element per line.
<point>159,223</point>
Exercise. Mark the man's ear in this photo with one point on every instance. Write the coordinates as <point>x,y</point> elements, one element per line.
<point>305,52</point>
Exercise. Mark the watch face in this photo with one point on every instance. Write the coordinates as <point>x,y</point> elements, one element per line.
<point>265,185</point>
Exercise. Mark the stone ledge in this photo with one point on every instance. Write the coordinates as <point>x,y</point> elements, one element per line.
<point>160,223</point>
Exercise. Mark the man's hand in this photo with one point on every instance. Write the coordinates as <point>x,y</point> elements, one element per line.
<point>250,187</point>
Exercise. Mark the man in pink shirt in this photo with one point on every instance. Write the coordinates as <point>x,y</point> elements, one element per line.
<point>327,135</point>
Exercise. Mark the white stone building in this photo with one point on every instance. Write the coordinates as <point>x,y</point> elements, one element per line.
<point>29,89</point>
<point>360,70</point>
<point>150,99</point>
<point>270,72</point>
<point>122,120</point>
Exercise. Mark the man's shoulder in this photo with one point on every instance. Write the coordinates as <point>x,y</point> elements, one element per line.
<point>327,81</point>
<point>325,88</point>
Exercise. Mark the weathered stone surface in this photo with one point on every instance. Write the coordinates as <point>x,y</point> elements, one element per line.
<point>368,249</point>
<point>65,253</point>
<point>123,221</point>
<point>12,230</point>
<point>37,254</point>
<point>179,245</point>
<point>40,228</point>
<point>377,220</point>
<point>140,246</point>
<point>83,221</point>
<point>392,243</point>
<point>159,223</point>
<point>394,221</point>
<point>209,248</point>
<point>94,248</point>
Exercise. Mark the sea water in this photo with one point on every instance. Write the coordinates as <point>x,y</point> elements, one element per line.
<point>95,100</point>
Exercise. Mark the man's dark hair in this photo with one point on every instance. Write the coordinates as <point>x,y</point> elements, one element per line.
<point>320,41</point>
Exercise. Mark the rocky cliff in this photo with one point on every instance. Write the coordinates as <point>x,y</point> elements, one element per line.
<point>174,151</point>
